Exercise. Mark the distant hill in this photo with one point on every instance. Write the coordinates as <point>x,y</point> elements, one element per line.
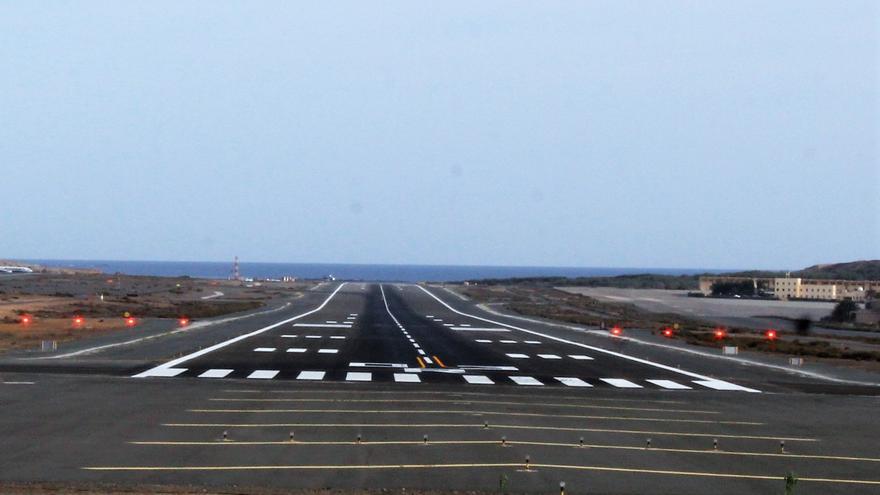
<point>854,270</point>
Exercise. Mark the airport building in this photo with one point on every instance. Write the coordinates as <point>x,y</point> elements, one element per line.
<point>801,288</point>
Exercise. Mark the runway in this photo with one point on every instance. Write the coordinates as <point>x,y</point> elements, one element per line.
<point>406,333</point>
<point>406,386</point>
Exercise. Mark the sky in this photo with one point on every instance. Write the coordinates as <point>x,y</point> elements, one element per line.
<point>738,134</point>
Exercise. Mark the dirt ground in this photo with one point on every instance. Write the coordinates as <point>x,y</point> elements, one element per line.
<point>39,307</point>
<point>544,302</point>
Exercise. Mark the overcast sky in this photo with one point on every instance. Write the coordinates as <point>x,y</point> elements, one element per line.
<point>627,134</point>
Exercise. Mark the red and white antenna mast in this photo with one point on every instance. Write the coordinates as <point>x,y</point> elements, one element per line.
<point>236,272</point>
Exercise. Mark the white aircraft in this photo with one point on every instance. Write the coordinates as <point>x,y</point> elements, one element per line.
<point>15,269</point>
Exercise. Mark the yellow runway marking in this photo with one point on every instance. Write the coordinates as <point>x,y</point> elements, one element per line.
<point>481,426</point>
<point>421,363</point>
<point>513,442</point>
<point>485,402</point>
<point>470,413</point>
<point>453,394</point>
<point>437,360</point>
<point>625,470</point>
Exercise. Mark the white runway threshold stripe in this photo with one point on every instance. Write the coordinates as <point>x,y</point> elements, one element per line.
<point>218,373</point>
<point>722,385</point>
<point>478,329</point>
<point>163,370</point>
<point>669,384</point>
<point>478,379</point>
<point>263,374</point>
<point>698,378</point>
<point>321,325</point>
<point>572,382</point>
<point>620,383</point>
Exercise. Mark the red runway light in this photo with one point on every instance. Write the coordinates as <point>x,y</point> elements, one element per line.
<point>615,330</point>
<point>183,322</point>
<point>130,321</point>
<point>770,334</point>
<point>720,333</point>
<point>78,321</point>
<point>25,320</point>
<point>667,332</point>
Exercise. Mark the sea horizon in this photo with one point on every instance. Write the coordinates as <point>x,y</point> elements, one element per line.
<point>353,271</point>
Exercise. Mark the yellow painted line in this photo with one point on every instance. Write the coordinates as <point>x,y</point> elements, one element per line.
<point>626,470</point>
<point>470,413</point>
<point>437,360</point>
<point>512,442</point>
<point>481,426</point>
<point>421,363</point>
<point>486,402</point>
<point>456,394</point>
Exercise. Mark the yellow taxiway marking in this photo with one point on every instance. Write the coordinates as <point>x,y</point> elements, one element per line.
<point>437,360</point>
<point>512,442</point>
<point>626,470</point>
<point>465,401</point>
<point>480,426</point>
<point>470,413</point>
<point>452,394</point>
<point>421,363</point>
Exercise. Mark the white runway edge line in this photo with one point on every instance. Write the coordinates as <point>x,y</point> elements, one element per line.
<point>170,368</point>
<point>697,376</point>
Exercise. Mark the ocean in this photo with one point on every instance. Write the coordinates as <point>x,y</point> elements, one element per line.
<point>384,273</point>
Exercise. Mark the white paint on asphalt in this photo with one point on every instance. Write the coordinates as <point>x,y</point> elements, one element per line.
<point>518,356</point>
<point>478,329</point>
<point>620,383</point>
<point>377,365</point>
<point>406,378</point>
<point>310,375</point>
<point>158,370</point>
<point>525,380</point>
<point>263,374</point>
<point>478,379</point>
<point>216,293</point>
<point>216,373</point>
<point>322,325</point>
<point>487,368</point>
<point>572,382</point>
<point>264,349</point>
<point>669,384</point>
<point>168,372</point>
<point>298,350</point>
<point>578,344</point>
<point>358,376</point>
<point>328,351</point>
<point>549,356</point>
<point>580,357</point>
<point>722,385</point>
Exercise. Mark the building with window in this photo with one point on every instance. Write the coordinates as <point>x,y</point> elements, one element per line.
<point>802,288</point>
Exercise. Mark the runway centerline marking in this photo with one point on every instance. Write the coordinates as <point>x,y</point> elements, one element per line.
<point>423,356</point>
<point>585,346</point>
<point>162,369</point>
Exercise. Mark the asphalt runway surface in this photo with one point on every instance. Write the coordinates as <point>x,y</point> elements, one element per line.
<point>405,386</point>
